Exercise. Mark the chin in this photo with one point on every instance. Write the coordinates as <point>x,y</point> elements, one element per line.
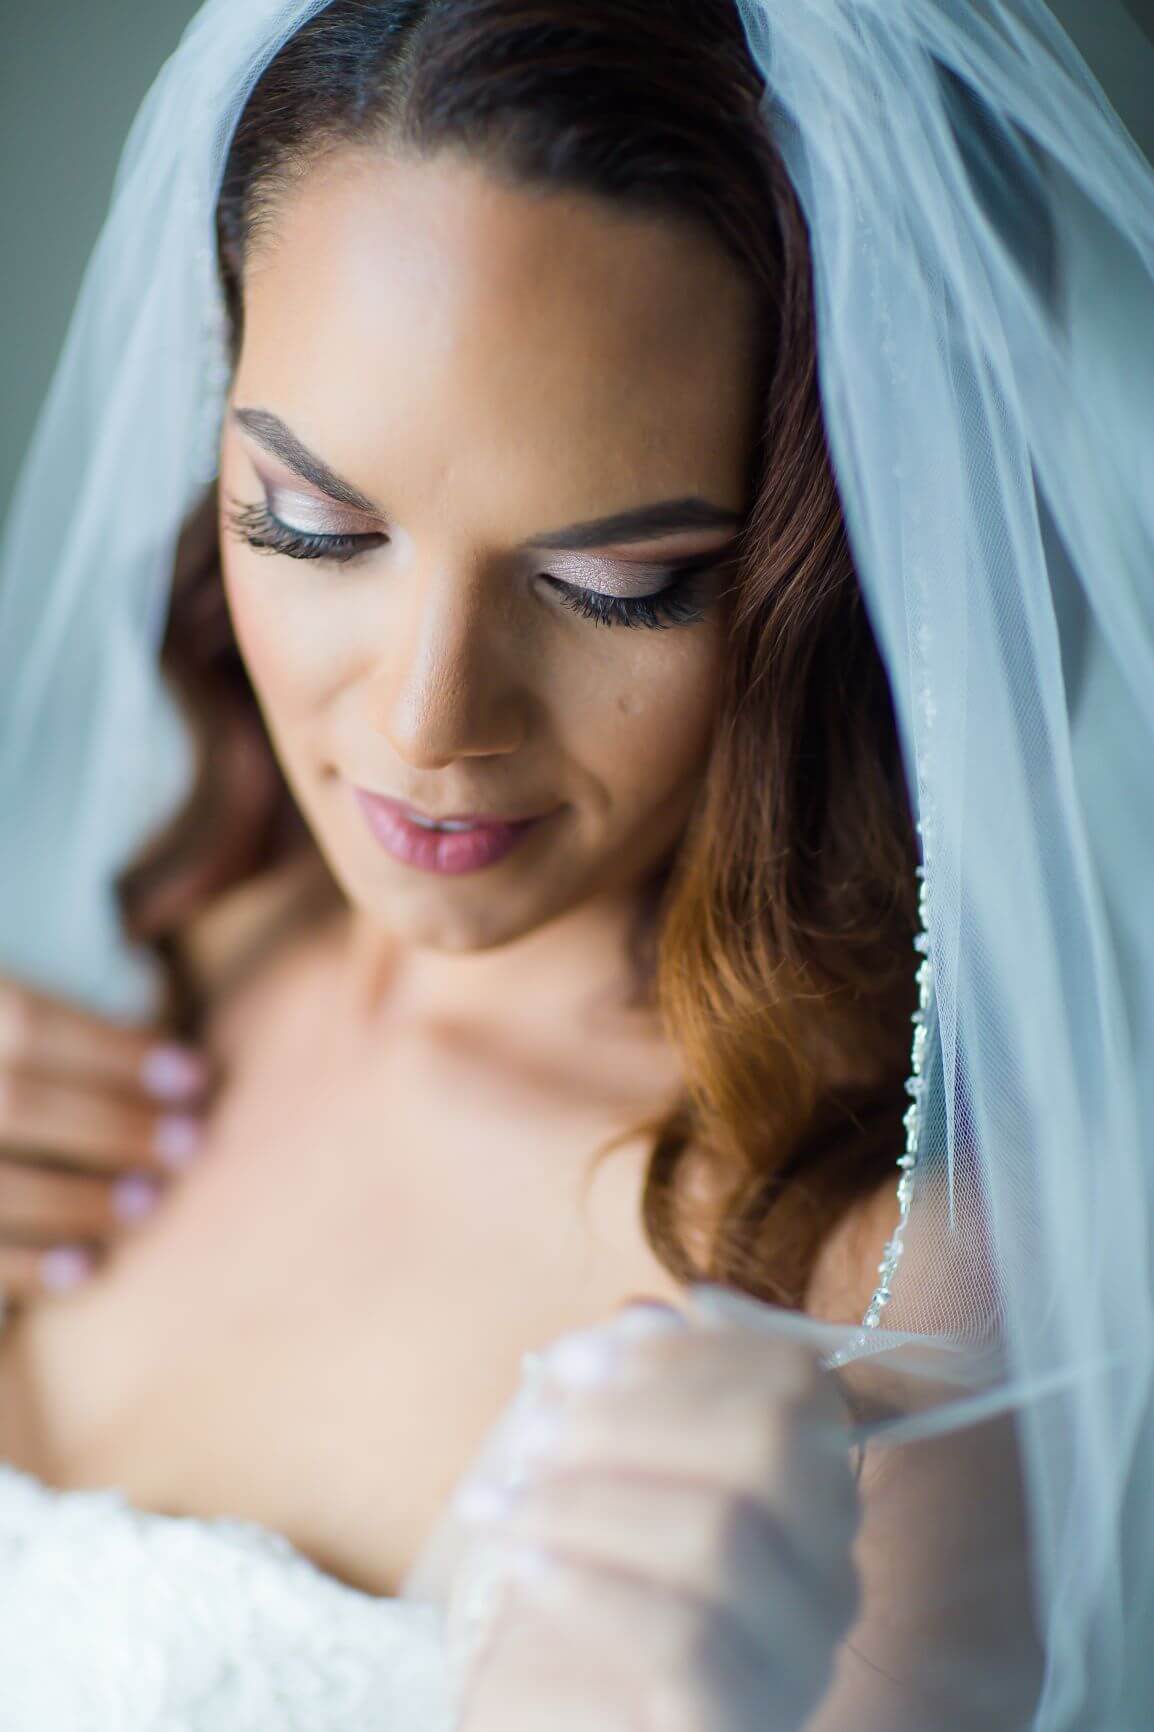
<point>441,915</point>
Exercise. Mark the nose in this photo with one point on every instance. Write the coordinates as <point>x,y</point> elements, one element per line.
<point>445,684</point>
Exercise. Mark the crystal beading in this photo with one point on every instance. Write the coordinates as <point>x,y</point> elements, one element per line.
<point>912,1120</point>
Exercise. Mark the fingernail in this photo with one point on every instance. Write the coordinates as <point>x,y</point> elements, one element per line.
<point>482,1500</point>
<point>642,1317</point>
<point>135,1196</point>
<point>173,1073</point>
<point>531,1437</point>
<point>585,1358</point>
<point>530,1562</point>
<point>534,1428</point>
<point>65,1266</point>
<point>177,1139</point>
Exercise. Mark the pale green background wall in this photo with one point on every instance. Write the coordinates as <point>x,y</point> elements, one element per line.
<point>72,73</point>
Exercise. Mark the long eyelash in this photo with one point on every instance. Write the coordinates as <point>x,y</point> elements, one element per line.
<point>256,525</point>
<point>677,604</point>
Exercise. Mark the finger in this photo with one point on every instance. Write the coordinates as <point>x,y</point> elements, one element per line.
<point>627,1351</point>
<point>59,1118</point>
<point>46,1035</point>
<point>685,1537</point>
<point>617,1655</point>
<point>30,1272</point>
<point>698,1407</point>
<point>45,1206</point>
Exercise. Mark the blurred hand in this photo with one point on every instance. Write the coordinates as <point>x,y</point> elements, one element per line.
<point>94,1118</point>
<point>689,1513</point>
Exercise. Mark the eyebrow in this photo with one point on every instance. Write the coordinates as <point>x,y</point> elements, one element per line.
<point>642,523</point>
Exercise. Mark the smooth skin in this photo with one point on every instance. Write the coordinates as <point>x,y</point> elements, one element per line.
<point>411,1091</point>
<point>490,368</point>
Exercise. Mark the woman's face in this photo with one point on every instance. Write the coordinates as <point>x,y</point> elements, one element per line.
<point>519,400</point>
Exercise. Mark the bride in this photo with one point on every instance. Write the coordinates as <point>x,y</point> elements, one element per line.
<point>462,875</point>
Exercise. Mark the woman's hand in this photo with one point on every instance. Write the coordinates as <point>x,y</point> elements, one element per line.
<point>688,1515</point>
<point>93,1116</point>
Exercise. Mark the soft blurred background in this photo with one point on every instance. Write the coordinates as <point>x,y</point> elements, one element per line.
<point>72,74</point>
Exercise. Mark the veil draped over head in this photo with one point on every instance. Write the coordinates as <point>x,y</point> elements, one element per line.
<point>982,232</point>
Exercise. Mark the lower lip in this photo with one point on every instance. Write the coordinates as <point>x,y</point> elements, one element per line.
<point>445,851</point>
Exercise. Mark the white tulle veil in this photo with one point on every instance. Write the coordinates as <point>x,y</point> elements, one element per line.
<point>982,229</point>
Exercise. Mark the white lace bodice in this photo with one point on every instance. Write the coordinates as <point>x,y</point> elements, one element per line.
<point>117,1619</point>
<point>114,1619</point>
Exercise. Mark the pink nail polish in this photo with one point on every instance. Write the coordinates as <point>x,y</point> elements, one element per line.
<point>173,1073</point>
<point>177,1139</point>
<point>135,1196</point>
<point>65,1266</point>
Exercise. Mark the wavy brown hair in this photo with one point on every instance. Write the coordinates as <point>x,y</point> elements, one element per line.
<point>776,940</point>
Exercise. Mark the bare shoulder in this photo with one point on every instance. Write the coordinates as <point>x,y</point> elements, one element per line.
<point>845,1274</point>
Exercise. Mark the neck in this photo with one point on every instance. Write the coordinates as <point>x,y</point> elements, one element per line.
<point>575,967</point>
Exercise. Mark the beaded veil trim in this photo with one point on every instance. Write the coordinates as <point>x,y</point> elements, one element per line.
<point>908,1159</point>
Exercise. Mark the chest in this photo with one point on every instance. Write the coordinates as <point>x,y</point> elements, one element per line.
<point>329,1310</point>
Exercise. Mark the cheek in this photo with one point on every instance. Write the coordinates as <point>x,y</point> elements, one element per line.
<point>290,656</point>
<point>654,737</point>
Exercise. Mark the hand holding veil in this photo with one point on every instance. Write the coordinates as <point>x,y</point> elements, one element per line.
<point>982,231</point>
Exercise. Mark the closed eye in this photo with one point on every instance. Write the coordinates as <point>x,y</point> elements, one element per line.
<point>677,602</point>
<point>256,525</point>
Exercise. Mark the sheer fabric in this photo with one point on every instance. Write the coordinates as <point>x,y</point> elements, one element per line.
<point>982,229</point>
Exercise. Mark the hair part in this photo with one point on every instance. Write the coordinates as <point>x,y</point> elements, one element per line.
<point>776,940</point>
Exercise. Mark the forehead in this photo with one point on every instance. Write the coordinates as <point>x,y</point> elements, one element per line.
<point>425,313</point>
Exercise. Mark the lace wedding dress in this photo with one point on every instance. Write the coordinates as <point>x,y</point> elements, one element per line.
<point>118,1619</point>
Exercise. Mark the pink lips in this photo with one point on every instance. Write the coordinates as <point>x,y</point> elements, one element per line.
<point>438,850</point>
